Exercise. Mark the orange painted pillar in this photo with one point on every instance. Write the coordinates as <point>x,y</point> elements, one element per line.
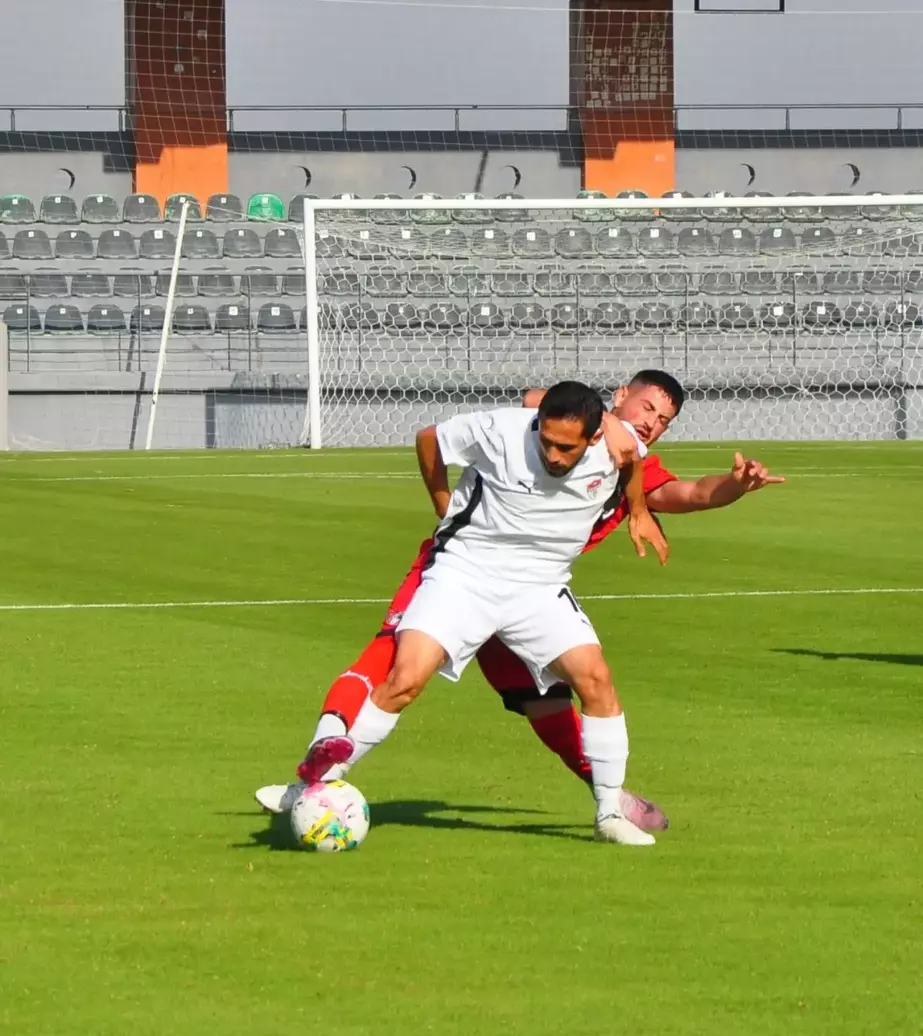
<point>177,68</point>
<point>624,59</point>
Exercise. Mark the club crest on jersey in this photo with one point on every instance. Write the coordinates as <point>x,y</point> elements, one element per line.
<point>593,487</point>
<point>394,618</point>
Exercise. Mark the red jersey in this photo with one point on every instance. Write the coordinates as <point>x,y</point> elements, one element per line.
<point>615,510</point>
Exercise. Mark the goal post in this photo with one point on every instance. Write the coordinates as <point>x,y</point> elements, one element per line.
<point>792,317</point>
<point>4,388</point>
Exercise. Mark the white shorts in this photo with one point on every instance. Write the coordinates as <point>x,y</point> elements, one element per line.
<point>538,623</point>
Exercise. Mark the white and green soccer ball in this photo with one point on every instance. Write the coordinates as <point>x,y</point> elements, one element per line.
<point>330,817</point>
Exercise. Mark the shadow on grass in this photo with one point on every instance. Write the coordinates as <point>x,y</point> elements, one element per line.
<point>277,835</point>
<point>858,656</point>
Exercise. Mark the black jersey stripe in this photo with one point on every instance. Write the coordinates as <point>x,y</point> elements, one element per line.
<point>459,521</point>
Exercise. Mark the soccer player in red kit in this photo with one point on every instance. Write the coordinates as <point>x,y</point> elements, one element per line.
<point>649,402</point>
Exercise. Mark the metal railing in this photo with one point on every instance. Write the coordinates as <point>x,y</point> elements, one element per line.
<point>457,112</point>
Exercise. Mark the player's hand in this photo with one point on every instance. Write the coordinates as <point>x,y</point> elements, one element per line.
<point>643,528</point>
<point>622,445</point>
<point>751,475</point>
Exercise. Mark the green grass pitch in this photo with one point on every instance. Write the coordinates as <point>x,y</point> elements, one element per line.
<point>142,892</point>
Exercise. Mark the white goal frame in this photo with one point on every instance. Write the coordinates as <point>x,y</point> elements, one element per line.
<point>312,434</point>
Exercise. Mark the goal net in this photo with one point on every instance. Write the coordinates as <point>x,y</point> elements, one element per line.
<point>797,318</point>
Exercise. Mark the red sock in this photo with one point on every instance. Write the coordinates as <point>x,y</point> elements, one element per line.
<point>562,732</point>
<point>350,689</point>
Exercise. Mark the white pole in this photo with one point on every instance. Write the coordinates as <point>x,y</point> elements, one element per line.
<point>4,387</point>
<point>167,324</point>
<point>313,325</point>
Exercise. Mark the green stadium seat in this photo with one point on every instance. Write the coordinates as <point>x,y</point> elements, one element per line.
<point>593,215</point>
<point>100,208</point>
<point>265,207</point>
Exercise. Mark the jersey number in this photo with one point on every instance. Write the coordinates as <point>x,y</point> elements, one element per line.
<point>568,596</point>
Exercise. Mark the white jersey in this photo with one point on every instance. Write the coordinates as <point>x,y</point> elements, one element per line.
<point>509,521</point>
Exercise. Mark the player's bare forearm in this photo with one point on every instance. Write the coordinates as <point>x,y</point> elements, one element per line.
<point>712,491</point>
<point>433,470</point>
<point>633,477</point>
<point>705,494</point>
<point>642,526</point>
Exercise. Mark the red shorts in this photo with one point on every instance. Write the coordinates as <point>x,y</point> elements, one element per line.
<point>503,670</point>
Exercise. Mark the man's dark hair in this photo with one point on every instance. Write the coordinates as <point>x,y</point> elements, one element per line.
<point>574,400</point>
<point>667,384</point>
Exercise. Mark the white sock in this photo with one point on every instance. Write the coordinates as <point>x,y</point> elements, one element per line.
<point>605,744</point>
<point>329,725</point>
<point>372,726</point>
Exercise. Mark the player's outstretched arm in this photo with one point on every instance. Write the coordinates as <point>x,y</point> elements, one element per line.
<point>642,526</point>
<point>433,469</point>
<point>712,491</point>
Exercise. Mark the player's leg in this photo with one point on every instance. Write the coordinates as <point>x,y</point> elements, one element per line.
<point>557,641</point>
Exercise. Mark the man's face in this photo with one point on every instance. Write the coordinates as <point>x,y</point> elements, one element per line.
<point>561,444</point>
<point>648,409</point>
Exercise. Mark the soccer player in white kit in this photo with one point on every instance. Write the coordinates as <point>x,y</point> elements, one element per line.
<point>533,485</point>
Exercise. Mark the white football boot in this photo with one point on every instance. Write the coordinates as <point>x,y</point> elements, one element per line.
<point>616,828</point>
<point>279,798</point>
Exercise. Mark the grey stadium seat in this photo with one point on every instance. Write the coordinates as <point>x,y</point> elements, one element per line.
<point>100,208</point>
<point>721,214</point>
<point>116,244</point>
<point>259,280</point>
<point>359,316</point>
<point>490,242</point>
<point>74,244</point>
<point>885,281</point>
<point>141,208</point>
<point>339,282</point>
<point>429,282</point>
<point>528,316</point>
<point>231,317</point>
<point>860,314</point>
<point>191,318</point>
<point>487,320</point>
<point>778,316</point>
<point>472,216</point>
<point>216,282</point>
<point>224,208</point>
<point>147,318</point>
<point>593,215</point>
<point>31,244</point>
<point>801,282</point>
<point>566,317</point>
<point>634,282</point>
<point>574,243</point>
<point>610,316</point>
<point>900,245</point>
<point>594,280</point>
<point>736,316</point>
<point>13,284</point>
<point>777,239</point>
<point>293,282</point>
<point>510,215</point>
<point>276,317</point>
<point>431,217</point>
<point>157,244</point>
<point>59,208</point>
<point>402,316</point>
<point>819,241</point>
<point>385,282</point>
<point>615,242</point>
<point>760,282</point>
<point>296,206</point>
<point>281,243</point>
<point>63,318</point>
<point>446,319</point>
<point>86,284</point>
<point>861,241</point>
<point>185,284</point>
<point>173,208</point>
<point>48,282</point>
<point>737,241</point>
<point>201,243</point>
<point>655,316</point>
<point>698,316</point>
<point>368,245</point>
<point>821,314</point>
<point>469,281</point>
<point>696,241</point>
<point>511,282</point>
<point>105,318</point>
<point>16,208</point>
<point>761,215</point>
<point>327,245</point>
<point>389,217</point>
<point>532,243</point>
<point>898,315</point>
<point>449,243</point>
<point>878,211</point>
<point>655,241</point>
<point>242,243</point>
<point>672,281</point>
<point>718,282</point>
<point>4,246</point>
<point>801,214</point>
<point>842,282</point>
<point>552,281</point>
<point>20,317</point>
<point>680,214</point>
<point>133,283</point>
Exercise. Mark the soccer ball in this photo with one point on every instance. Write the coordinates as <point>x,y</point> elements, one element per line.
<point>330,817</point>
